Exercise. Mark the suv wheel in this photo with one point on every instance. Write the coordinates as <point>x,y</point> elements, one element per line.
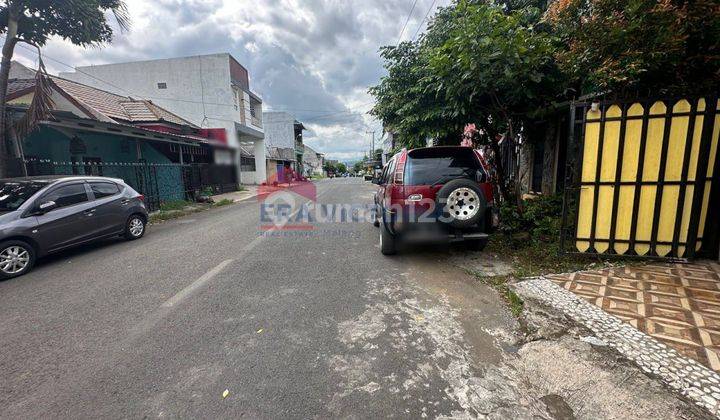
<point>387,241</point>
<point>135,227</point>
<point>463,203</point>
<point>16,258</point>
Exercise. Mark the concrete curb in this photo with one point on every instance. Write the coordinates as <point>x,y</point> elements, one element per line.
<point>688,377</point>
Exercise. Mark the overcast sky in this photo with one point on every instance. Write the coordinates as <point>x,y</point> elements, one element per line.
<point>312,58</point>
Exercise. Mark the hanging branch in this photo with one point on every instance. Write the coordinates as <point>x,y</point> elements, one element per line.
<point>42,103</point>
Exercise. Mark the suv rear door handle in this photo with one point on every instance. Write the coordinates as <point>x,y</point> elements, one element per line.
<point>90,212</point>
<point>125,201</point>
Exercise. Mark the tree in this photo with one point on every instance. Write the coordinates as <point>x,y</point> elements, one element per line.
<point>33,22</point>
<point>496,69</point>
<point>341,168</point>
<point>406,100</point>
<point>639,47</point>
<point>358,166</point>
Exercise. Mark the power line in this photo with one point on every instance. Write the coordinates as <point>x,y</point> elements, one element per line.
<point>423,20</point>
<point>406,21</point>
<point>181,100</point>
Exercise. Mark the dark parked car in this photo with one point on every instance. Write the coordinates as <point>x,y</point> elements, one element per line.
<point>41,215</point>
<point>435,194</point>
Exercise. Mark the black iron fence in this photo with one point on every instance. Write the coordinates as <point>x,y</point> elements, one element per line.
<point>158,182</point>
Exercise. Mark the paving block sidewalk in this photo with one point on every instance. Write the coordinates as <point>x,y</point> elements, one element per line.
<point>663,317</point>
<point>677,304</point>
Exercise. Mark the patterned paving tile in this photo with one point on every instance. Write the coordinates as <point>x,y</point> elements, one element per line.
<point>678,304</point>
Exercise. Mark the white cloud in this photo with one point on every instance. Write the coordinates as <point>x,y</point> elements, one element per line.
<point>313,58</point>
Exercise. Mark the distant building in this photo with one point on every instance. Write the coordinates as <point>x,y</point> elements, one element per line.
<point>208,90</point>
<point>284,133</point>
<point>312,162</point>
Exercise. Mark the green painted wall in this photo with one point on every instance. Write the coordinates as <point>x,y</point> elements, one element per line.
<point>49,144</point>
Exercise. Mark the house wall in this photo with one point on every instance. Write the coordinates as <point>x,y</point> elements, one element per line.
<point>190,82</point>
<point>53,145</point>
<point>279,130</point>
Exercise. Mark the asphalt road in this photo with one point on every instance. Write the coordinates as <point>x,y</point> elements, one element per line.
<point>293,323</point>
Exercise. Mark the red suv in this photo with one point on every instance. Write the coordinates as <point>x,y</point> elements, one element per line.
<point>434,193</point>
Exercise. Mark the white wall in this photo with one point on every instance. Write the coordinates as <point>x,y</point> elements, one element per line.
<point>279,129</point>
<point>190,81</point>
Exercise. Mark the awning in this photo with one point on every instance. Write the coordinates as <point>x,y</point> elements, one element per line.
<point>247,131</point>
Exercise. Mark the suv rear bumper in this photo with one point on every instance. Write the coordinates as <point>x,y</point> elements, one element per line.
<point>436,231</point>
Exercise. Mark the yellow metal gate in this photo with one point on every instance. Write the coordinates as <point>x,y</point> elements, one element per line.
<point>644,176</point>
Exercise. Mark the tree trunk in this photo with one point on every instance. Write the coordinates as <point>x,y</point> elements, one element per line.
<point>497,161</point>
<point>7,54</point>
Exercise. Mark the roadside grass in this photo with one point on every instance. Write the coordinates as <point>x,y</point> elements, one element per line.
<point>174,205</point>
<point>532,259</point>
<point>178,208</point>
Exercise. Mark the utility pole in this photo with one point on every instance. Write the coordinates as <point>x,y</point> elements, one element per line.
<point>372,151</point>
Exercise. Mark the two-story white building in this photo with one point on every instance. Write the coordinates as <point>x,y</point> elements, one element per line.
<point>211,91</point>
<point>283,133</point>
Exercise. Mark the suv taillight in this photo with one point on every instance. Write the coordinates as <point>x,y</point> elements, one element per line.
<point>141,197</point>
<point>399,174</point>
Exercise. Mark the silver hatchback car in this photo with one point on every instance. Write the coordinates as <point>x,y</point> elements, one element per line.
<point>41,215</point>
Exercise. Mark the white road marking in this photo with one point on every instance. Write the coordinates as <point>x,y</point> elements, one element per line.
<point>195,285</point>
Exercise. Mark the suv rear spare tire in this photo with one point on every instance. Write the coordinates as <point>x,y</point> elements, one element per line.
<point>463,203</point>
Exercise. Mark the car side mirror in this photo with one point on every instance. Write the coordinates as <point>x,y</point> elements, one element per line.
<point>47,206</point>
<point>481,176</point>
<point>376,180</point>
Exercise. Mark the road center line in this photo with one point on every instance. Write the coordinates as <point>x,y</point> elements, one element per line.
<point>196,284</point>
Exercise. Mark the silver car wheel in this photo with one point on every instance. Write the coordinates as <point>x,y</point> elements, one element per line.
<point>463,203</point>
<point>14,259</point>
<point>136,227</point>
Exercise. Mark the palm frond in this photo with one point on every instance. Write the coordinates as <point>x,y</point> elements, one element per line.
<point>41,105</point>
<point>122,16</point>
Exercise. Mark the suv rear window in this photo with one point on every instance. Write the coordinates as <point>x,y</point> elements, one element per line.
<point>439,165</point>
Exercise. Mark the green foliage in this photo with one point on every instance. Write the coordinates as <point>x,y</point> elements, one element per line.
<point>500,64</point>
<point>639,46</point>
<point>538,221</point>
<point>173,205</point>
<point>82,22</point>
<point>208,191</point>
<point>495,68</point>
<point>223,202</point>
<point>336,168</point>
<point>358,166</point>
<point>478,62</point>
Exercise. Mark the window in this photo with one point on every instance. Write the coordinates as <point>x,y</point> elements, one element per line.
<point>104,189</point>
<point>14,194</point>
<point>247,164</point>
<point>67,195</point>
<point>440,164</point>
<point>162,85</point>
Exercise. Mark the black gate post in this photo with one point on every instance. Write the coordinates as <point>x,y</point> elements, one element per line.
<point>701,174</point>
